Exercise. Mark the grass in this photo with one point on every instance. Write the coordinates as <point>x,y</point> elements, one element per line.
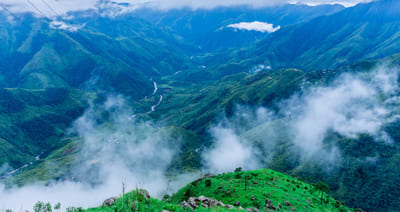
<point>249,188</point>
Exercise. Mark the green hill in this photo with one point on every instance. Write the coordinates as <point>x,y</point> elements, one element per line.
<point>240,189</point>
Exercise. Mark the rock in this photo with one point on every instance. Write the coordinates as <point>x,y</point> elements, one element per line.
<point>204,205</point>
<point>287,203</point>
<point>237,203</point>
<point>279,205</point>
<point>205,202</point>
<point>240,208</point>
<point>109,201</point>
<point>253,199</point>
<point>193,201</point>
<point>229,206</point>
<point>185,205</point>
<point>309,202</point>
<point>202,198</point>
<point>165,211</point>
<point>220,203</point>
<point>214,203</point>
<point>293,209</point>
<point>252,210</point>
<point>269,205</point>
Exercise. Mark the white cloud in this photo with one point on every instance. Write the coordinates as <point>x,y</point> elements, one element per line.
<point>64,26</point>
<point>346,3</point>
<point>120,149</point>
<point>255,26</point>
<point>351,105</point>
<point>229,152</point>
<point>61,7</point>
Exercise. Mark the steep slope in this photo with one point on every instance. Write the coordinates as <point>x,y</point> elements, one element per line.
<point>45,57</point>
<point>56,67</point>
<point>33,122</point>
<point>364,32</point>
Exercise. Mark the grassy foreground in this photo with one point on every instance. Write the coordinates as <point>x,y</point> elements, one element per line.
<point>248,189</point>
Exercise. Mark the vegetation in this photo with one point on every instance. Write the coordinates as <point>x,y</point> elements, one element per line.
<point>244,189</point>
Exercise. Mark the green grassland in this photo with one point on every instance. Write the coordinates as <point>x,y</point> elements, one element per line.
<point>249,188</point>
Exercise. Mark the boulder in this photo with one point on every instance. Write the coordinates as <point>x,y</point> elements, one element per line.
<point>252,210</point>
<point>185,205</point>
<point>109,201</point>
<point>205,205</point>
<point>279,205</point>
<point>229,206</point>
<point>194,202</point>
<point>237,203</point>
<point>220,203</point>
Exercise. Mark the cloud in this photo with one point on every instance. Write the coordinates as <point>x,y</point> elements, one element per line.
<point>115,149</point>
<point>351,105</point>
<point>255,26</point>
<point>229,152</point>
<point>65,26</point>
<point>52,8</point>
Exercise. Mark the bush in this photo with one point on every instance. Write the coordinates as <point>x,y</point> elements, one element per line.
<point>208,183</point>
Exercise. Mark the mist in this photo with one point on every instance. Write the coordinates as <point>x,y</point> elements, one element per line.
<point>115,149</point>
<point>351,105</point>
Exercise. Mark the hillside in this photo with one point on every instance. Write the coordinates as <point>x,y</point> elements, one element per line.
<point>355,34</point>
<point>149,95</point>
<point>283,192</point>
<point>95,57</point>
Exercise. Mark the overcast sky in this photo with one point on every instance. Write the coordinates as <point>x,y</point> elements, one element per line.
<point>63,6</point>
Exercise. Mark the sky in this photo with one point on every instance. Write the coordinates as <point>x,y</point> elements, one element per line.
<point>63,6</point>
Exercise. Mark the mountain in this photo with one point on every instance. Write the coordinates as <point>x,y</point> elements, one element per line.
<point>208,29</point>
<point>33,123</point>
<point>317,99</point>
<point>355,34</point>
<point>45,73</point>
<point>358,33</point>
<point>47,57</point>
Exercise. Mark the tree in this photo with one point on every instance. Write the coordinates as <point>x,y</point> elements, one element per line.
<point>42,207</point>
<point>208,183</point>
<point>57,206</point>
<point>239,169</point>
<point>322,188</point>
<point>39,207</point>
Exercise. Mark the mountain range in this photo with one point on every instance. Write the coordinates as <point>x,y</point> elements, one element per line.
<point>196,83</point>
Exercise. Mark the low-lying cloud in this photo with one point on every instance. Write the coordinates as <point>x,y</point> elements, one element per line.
<point>115,149</point>
<point>351,105</point>
<point>255,26</point>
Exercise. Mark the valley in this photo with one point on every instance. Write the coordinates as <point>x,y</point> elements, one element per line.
<point>176,103</point>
